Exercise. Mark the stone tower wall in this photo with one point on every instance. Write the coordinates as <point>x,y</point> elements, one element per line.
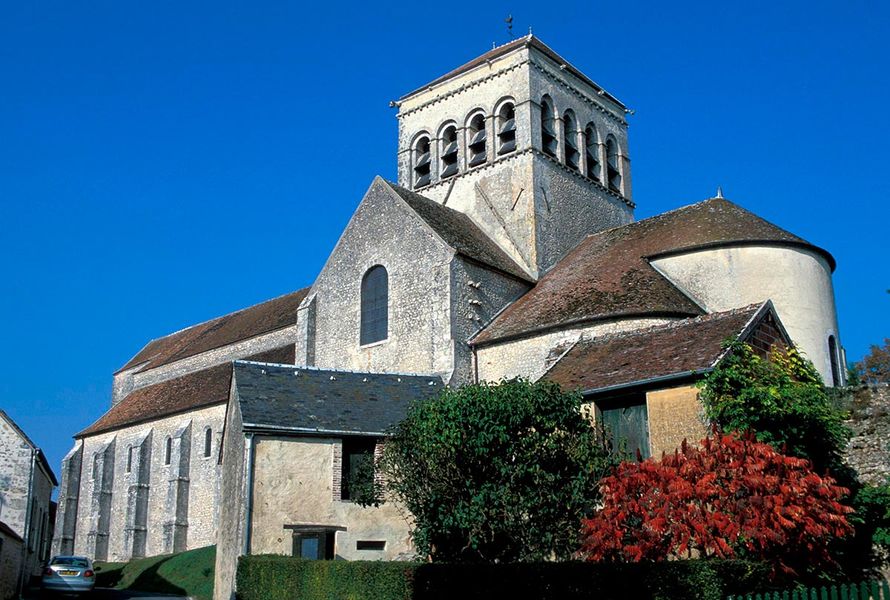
<point>532,204</point>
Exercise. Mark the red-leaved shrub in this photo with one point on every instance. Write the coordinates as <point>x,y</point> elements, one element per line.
<point>731,497</point>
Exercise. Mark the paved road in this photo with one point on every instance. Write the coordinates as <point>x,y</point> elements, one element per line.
<point>108,594</point>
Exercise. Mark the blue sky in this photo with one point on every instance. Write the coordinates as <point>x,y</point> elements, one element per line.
<point>168,162</point>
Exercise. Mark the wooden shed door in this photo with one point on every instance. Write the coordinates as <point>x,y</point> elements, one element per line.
<point>626,424</point>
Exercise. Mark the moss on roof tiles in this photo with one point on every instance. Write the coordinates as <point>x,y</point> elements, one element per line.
<point>608,275</point>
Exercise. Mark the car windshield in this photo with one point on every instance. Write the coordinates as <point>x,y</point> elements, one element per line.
<point>69,561</point>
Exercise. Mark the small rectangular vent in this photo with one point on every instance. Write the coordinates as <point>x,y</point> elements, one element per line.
<point>370,545</point>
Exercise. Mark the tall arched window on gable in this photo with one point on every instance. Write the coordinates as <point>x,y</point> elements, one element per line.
<point>613,172</point>
<point>506,129</point>
<point>476,147</point>
<point>168,450</point>
<point>592,150</point>
<point>832,356</point>
<point>374,306</point>
<point>548,135</point>
<point>449,152</point>
<point>422,162</point>
<point>573,157</point>
<point>208,442</point>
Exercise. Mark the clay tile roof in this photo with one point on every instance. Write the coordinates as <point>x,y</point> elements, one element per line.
<point>682,347</point>
<point>308,400</point>
<point>608,275</point>
<point>188,392</point>
<point>503,49</point>
<point>240,325</point>
<point>458,231</point>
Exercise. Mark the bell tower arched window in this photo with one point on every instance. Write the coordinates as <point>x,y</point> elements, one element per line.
<point>573,157</point>
<point>613,172</point>
<point>476,141</point>
<point>506,129</point>
<point>548,135</point>
<point>422,162</point>
<point>374,306</point>
<point>592,150</point>
<point>449,152</point>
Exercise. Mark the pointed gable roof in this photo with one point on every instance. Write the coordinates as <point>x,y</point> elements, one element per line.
<point>682,348</point>
<point>243,324</point>
<point>459,231</point>
<point>608,275</point>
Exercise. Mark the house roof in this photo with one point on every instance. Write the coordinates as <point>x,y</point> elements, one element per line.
<point>497,52</point>
<point>684,347</point>
<point>460,232</point>
<point>305,400</point>
<point>194,390</point>
<point>41,457</point>
<point>608,275</point>
<point>9,532</point>
<point>240,325</point>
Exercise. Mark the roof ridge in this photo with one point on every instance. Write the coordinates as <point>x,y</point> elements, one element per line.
<point>257,363</point>
<point>676,323</point>
<point>211,324</point>
<point>509,265</point>
<point>234,312</point>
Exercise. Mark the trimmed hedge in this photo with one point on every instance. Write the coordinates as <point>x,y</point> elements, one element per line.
<point>286,578</point>
<point>271,577</point>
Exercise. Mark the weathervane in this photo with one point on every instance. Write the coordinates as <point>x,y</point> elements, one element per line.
<point>509,22</point>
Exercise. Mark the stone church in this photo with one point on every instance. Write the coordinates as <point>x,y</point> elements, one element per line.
<point>507,248</point>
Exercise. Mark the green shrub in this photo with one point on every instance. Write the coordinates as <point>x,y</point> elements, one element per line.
<point>286,578</point>
<point>186,573</point>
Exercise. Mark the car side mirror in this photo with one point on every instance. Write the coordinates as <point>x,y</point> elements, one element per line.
<point>97,569</point>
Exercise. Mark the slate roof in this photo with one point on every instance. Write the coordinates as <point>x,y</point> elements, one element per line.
<point>458,231</point>
<point>608,275</point>
<point>503,49</point>
<point>686,346</point>
<point>8,531</point>
<point>308,400</point>
<point>240,325</point>
<point>194,390</point>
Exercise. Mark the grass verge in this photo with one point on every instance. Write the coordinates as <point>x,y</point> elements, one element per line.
<point>186,573</point>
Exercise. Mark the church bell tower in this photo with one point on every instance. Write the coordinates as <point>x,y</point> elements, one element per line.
<point>524,144</point>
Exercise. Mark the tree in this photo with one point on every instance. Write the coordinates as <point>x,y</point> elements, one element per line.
<point>732,497</point>
<point>782,400</point>
<point>875,366</point>
<point>496,473</point>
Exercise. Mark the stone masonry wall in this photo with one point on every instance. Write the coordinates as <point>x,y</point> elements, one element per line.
<point>232,509</point>
<point>675,414</point>
<point>15,461</point>
<point>531,357</point>
<point>196,488</point>
<point>384,231</point>
<point>477,295</point>
<point>293,486</point>
<point>533,205</point>
<point>869,449</point>
<point>10,564</point>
